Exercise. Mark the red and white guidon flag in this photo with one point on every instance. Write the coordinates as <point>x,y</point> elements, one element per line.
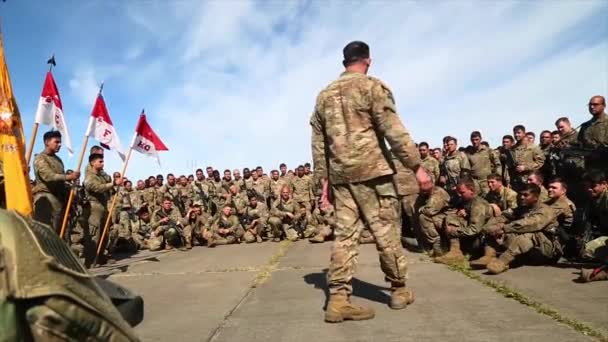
<point>50,111</point>
<point>101,127</point>
<point>145,140</point>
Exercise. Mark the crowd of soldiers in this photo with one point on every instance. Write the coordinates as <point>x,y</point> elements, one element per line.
<point>534,202</point>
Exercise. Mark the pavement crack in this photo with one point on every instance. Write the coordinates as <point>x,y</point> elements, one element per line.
<point>226,270</point>
<point>539,307</point>
<point>261,277</point>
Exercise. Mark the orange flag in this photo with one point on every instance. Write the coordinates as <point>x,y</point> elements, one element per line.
<point>12,146</point>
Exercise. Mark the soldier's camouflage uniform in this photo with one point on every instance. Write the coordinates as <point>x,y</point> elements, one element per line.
<point>597,248</point>
<point>279,220</point>
<point>527,229</point>
<point>432,166</point>
<point>469,229</point>
<point>303,191</point>
<point>258,226</point>
<point>532,159</point>
<point>593,134</point>
<point>98,189</point>
<point>352,119</point>
<point>483,163</point>
<point>234,235</point>
<point>153,198</point>
<point>324,222</point>
<point>167,231</point>
<point>505,199</point>
<point>50,190</point>
<point>456,164</point>
<point>277,186</point>
<point>431,211</point>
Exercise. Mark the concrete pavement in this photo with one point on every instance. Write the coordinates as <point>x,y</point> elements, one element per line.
<point>276,292</point>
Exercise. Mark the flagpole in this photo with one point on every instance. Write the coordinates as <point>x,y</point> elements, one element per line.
<point>30,148</point>
<point>109,218</point>
<point>73,189</point>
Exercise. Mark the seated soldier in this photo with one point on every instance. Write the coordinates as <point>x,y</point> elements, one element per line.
<point>282,216</point>
<point>526,232</point>
<point>142,231</point>
<point>537,178</point>
<point>197,221</point>
<point>464,225</point>
<point>430,209</point>
<point>254,219</point>
<point>121,236</point>
<point>324,218</point>
<point>596,241</point>
<point>303,222</point>
<point>226,229</point>
<point>169,223</point>
<point>564,211</point>
<point>499,196</point>
<point>236,199</point>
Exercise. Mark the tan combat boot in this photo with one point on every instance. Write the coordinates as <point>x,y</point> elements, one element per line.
<point>597,274</point>
<point>454,255</point>
<point>489,254</point>
<point>401,297</point>
<point>188,243</point>
<point>500,264</point>
<point>339,308</point>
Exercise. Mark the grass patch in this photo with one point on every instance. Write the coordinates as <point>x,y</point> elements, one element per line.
<point>527,301</point>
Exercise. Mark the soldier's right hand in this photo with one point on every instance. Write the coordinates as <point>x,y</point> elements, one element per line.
<point>72,176</point>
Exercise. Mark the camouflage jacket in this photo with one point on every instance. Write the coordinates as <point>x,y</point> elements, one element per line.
<point>454,164</point>
<point>404,179</point>
<point>478,213</point>
<point>528,155</point>
<point>226,222</point>
<point>303,189</point>
<point>505,199</point>
<point>260,187</point>
<point>281,208</point>
<point>169,191</point>
<point>326,217</point>
<point>594,133</point>
<point>598,213</point>
<point>564,211</point>
<point>568,139</point>
<point>353,117</point>
<point>50,175</point>
<point>530,220</point>
<point>277,186</point>
<point>260,212</point>
<point>174,216</point>
<point>432,166</point>
<point>437,202</point>
<point>482,162</point>
<point>97,187</point>
<point>152,196</point>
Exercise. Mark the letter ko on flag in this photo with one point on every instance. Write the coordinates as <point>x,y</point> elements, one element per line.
<point>145,140</point>
<point>50,111</point>
<point>101,127</point>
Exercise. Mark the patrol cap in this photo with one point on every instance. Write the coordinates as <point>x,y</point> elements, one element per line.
<point>355,51</point>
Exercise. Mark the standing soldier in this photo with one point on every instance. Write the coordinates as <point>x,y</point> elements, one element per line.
<point>186,192</point>
<point>238,180</point>
<point>594,135</point>
<point>482,162</point>
<point>567,134</point>
<point>50,190</point>
<point>453,167</point>
<point>152,195</point>
<point>303,189</point>
<point>353,117</point>
<point>504,155</point>
<point>276,184</point>
<point>98,191</point>
<point>524,158</point>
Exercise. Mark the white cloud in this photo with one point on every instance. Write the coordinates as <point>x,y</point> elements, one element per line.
<point>232,84</point>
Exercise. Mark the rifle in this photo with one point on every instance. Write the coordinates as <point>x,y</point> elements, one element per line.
<point>451,182</point>
<point>172,223</point>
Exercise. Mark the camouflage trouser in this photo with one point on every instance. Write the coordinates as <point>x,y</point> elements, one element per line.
<point>597,249</point>
<point>48,209</point>
<point>429,226</point>
<point>280,227</point>
<point>520,244</point>
<point>373,203</point>
<point>96,214</point>
<point>227,239</point>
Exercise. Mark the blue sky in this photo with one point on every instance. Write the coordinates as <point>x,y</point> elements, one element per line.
<point>233,83</point>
